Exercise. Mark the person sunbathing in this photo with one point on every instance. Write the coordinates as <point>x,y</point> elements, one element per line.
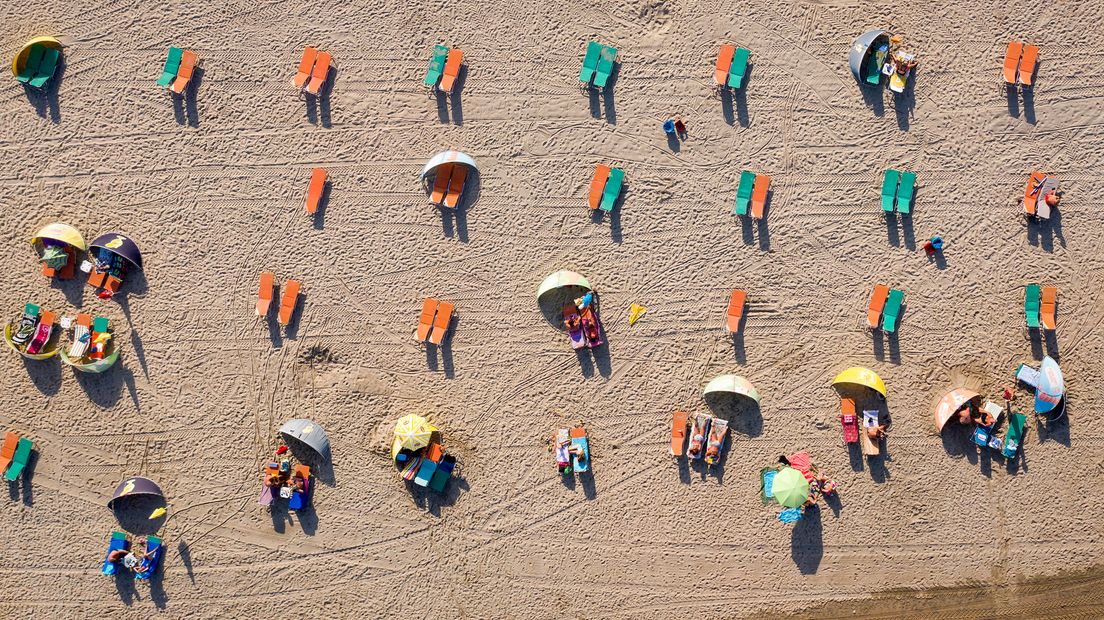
<point>876,432</point>
<point>982,417</point>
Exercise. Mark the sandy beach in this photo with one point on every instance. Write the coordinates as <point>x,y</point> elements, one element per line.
<point>211,186</point>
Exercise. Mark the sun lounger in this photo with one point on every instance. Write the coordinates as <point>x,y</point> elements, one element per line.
<point>34,58</point>
<point>288,301</point>
<point>456,186</point>
<point>97,348</point>
<point>314,190</point>
<point>869,445</point>
<point>436,65</point>
<point>452,70</point>
<point>560,444</point>
<point>606,59</point>
<point>598,185</point>
<point>590,61</point>
<point>889,189</point>
<point>82,336</point>
<point>724,63</point>
<point>425,322</point>
<point>743,192</point>
<point>1034,191</point>
<point>579,440</point>
<point>154,546</point>
<point>425,472</point>
<point>265,293</point>
<point>69,270</point>
<point>906,191</point>
<point>441,323</point>
<point>574,325</point>
<point>892,310</point>
<point>759,196</point>
<point>735,311</point>
<point>26,326</point>
<point>46,68</point>
<point>718,430</point>
<point>7,450</point>
<point>172,66</point>
<point>613,189</point>
<point>319,73</point>
<point>874,64</point>
<point>118,541</point>
<point>1014,436</point>
<point>442,474</point>
<point>1047,309</point>
<point>1027,64</point>
<point>849,420</point>
<point>877,303</point>
<point>42,333</point>
<point>698,430</point>
<point>440,184</point>
<point>1011,61</point>
<point>298,498</point>
<point>592,329</point>
<point>739,68</point>
<point>678,433</point>
<point>187,64</point>
<point>310,54</point>
<point>1032,304</point>
<point>19,460</point>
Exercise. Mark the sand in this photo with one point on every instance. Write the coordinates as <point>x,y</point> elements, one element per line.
<point>212,189</point>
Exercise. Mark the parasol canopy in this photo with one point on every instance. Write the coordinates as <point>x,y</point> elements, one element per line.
<point>1051,388</point>
<point>953,402</point>
<point>413,432</point>
<point>120,244</point>
<point>734,384</point>
<point>446,157</point>
<point>561,279</point>
<point>790,488</point>
<point>860,50</point>
<point>857,375</point>
<point>62,233</point>
<point>135,485</point>
<point>20,59</point>
<point>309,433</point>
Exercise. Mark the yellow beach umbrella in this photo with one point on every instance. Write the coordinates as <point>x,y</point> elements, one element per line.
<point>20,59</point>
<point>857,375</point>
<point>413,432</point>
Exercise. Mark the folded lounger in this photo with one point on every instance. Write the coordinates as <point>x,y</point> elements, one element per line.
<point>889,189</point>
<point>26,326</point>
<point>82,336</point>
<point>310,54</point>
<point>590,61</point>
<point>877,303</point>
<point>7,450</point>
<point>19,460</point>
<point>1032,303</point>
<point>456,186</point>
<point>172,66</point>
<point>288,301</point>
<point>892,311</point>
<point>1011,61</point>
<point>849,421</point>
<point>1048,307</point>
<point>1027,64</point>
<point>613,189</point>
<point>441,323</point>
<point>154,546</point>
<point>735,311</point>
<point>1014,436</point>
<point>45,70</point>
<point>759,196</point>
<point>743,192</point>
<point>579,440</point>
<point>440,184</point>
<point>34,58</point>
<point>906,191</point>
<point>298,498</point>
<point>118,541</point>
<point>436,65</point>
<point>314,189</point>
<point>187,65</point>
<point>598,185</point>
<point>678,433</point>
<point>452,70</point>
<point>265,293</point>
<point>425,322</point>
<point>739,68</point>
<point>442,474</point>
<point>718,431</point>
<point>319,73</point>
<point>606,58</point>
<point>724,63</point>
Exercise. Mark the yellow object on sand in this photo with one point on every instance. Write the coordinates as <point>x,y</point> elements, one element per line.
<point>20,59</point>
<point>102,338</point>
<point>635,312</point>
<point>413,432</point>
<point>160,512</point>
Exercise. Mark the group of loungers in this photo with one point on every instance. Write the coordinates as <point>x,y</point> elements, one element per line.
<point>1040,307</point>
<point>707,436</point>
<point>1019,63</point>
<point>267,292</point>
<point>869,435</point>
<point>177,73</point>
<point>732,65</point>
<point>15,454</point>
<point>605,187</point>
<point>289,483</point>
<point>752,192</point>
<point>898,189</point>
<point>444,68</point>
<point>885,308</point>
<point>598,63</point>
<point>1041,190</point>
<point>144,566</point>
<point>41,65</point>
<point>581,320</point>
<point>433,324</point>
<point>431,467</point>
<point>448,185</point>
<point>572,450</point>
<point>314,67</point>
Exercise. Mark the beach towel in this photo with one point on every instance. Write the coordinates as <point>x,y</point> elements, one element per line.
<point>766,484</point>
<point>790,515</point>
<point>26,327</point>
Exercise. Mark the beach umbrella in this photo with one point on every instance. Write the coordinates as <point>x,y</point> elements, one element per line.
<point>860,49</point>
<point>561,279</point>
<point>953,402</point>
<point>61,233</point>
<point>446,157</point>
<point>118,243</point>
<point>1051,388</point>
<point>308,433</point>
<point>413,432</point>
<point>135,485</point>
<point>20,59</point>
<point>790,488</point>
<point>857,375</point>
<point>734,384</point>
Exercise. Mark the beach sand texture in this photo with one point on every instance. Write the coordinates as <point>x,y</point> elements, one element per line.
<point>212,189</point>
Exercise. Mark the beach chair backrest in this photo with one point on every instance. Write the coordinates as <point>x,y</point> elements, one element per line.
<point>100,325</point>
<point>598,185</point>
<point>759,195</point>
<point>46,69</point>
<point>310,54</point>
<point>724,62</point>
<point>590,61</point>
<point>187,64</point>
<point>1027,64</point>
<point>606,59</point>
<point>321,66</point>
<point>441,322</point>
<point>172,63</point>
<point>7,450</point>
<point>456,186</point>
<point>1012,60</point>
<point>739,68</point>
<point>34,58</point>
<point>889,188</point>
<point>877,303</point>
<point>436,65</point>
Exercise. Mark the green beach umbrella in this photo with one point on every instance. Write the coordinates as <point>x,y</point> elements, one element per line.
<point>790,488</point>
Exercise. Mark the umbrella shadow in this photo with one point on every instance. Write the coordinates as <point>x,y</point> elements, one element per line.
<point>44,374</point>
<point>807,541</point>
<point>133,514</point>
<point>742,413</point>
<point>321,466</point>
<point>431,501</point>
<point>45,101</point>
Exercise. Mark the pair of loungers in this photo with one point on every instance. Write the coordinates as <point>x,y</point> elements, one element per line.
<point>41,65</point>
<point>1019,63</point>
<point>88,342</point>
<point>35,330</point>
<point>448,185</point>
<point>605,187</point>
<point>1041,306</point>
<point>855,429</point>
<point>178,70</point>
<point>898,188</point>
<point>15,453</point>
<point>597,64</point>
<point>885,307</point>
<point>706,438</point>
<point>583,328</point>
<point>267,291</point>
<point>432,469</point>
<point>986,436</point>
<point>315,189</point>
<point>572,450</point>
<point>314,67</point>
<point>154,546</point>
<point>444,68</point>
<point>434,329</point>
<point>732,64</point>
<point>752,192</point>
<point>735,311</point>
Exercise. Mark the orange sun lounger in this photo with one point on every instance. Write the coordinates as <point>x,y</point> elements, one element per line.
<point>265,293</point>
<point>678,432</point>
<point>1048,308</point>
<point>288,301</point>
<point>724,63</point>
<point>1033,191</point>
<point>441,323</point>
<point>456,186</point>
<point>440,185</point>
<point>1011,61</point>
<point>318,75</point>
<point>598,185</point>
<point>7,451</point>
<point>305,65</point>
<point>877,303</point>
<point>314,190</point>
<point>184,74</point>
<point>452,70</point>
<point>1027,64</point>
<point>735,311</point>
<point>425,322</point>
<point>759,196</point>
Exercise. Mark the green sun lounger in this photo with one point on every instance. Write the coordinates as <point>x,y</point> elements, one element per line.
<point>172,66</point>
<point>46,69</point>
<point>590,61</point>
<point>892,310</point>
<point>738,69</point>
<point>1032,302</point>
<point>436,65</point>
<point>100,324</point>
<point>20,460</point>
<point>874,65</point>
<point>1014,435</point>
<point>906,191</point>
<point>613,189</point>
<point>34,58</point>
<point>605,65</point>
<point>889,189</point>
<point>743,192</point>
